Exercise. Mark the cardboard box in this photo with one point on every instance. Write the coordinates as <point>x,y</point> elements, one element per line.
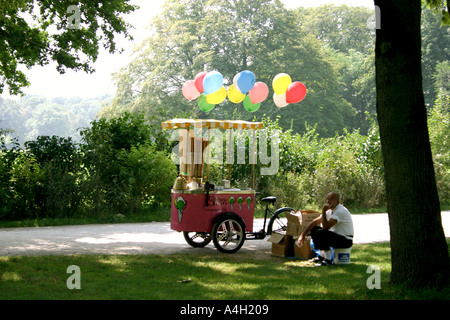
<point>304,252</point>
<point>294,223</point>
<point>308,216</point>
<point>299,220</point>
<point>280,244</point>
<point>285,246</point>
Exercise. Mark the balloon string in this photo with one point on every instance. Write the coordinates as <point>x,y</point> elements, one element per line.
<point>275,111</point>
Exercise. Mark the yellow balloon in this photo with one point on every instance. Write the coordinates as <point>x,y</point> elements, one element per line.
<point>234,95</point>
<point>281,82</point>
<point>217,97</point>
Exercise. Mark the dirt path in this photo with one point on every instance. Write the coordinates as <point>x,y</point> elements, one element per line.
<point>153,238</point>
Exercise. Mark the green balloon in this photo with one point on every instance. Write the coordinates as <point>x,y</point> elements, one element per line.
<point>249,106</point>
<point>203,105</point>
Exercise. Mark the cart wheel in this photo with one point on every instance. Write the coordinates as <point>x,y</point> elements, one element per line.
<point>278,222</point>
<point>228,234</point>
<point>197,239</point>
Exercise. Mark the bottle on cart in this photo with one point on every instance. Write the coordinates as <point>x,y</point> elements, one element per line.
<point>180,183</point>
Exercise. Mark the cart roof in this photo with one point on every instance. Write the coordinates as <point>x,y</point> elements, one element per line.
<point>210,123</point>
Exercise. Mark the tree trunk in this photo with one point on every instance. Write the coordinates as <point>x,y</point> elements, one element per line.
<point>419,252</point>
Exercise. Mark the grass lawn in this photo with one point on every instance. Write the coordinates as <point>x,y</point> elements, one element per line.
<point>214,276</point>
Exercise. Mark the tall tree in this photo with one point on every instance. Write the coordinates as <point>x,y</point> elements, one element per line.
<point>231,36</point>
<point>418,247</point>
<point>343,28</point>
<point>67,32</point>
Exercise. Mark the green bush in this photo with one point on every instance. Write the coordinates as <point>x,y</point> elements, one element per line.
<point>343,167</point>
<point>439,130</point>
<point>311,167</point>
<point>124,170</point>
<point>150,175</point>
<point>59,163</point>
<point>26,189</point>
<point>7,158</point>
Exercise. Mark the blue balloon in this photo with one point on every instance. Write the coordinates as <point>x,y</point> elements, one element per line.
<point>212,82</point>
<point>245,81</point>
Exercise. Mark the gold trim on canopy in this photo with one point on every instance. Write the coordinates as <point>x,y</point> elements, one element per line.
<point>211,124</point>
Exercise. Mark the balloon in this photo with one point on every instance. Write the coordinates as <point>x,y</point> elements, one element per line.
<point>234,95</point>
<point>212,82</point>
<point>259,92</point>
<point>249,106</point>
<point>189,90</point>
<point>280,100</point>
<point>235,84</point>
<point>203,105</point>
<point>296,92</point>
<point>281,82</point>
<point>217,97</point>
<point>199,80</point>
<point>245,81</point>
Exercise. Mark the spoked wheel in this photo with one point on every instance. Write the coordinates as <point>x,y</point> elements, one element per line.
<point>197,239</point>
<point>228,234</point>
<point>278,222</point>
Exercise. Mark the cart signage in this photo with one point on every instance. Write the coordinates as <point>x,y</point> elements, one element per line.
<point>180,204</point>
<point>231,203</point>
<point>216,202</point>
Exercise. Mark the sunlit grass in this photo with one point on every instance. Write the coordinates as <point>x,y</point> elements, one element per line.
<point>200,276</point>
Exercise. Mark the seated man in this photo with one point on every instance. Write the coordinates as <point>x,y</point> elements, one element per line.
<point>336,230</point>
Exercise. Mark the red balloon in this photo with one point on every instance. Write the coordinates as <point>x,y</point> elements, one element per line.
<point>296,92</point>
<point>199,81</point>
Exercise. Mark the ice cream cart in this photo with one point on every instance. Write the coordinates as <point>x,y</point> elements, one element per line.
<point>203,211</point>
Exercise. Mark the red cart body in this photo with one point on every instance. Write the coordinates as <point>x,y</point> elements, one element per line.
<point>189,211</point>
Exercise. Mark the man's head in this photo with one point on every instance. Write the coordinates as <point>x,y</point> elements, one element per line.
<point>333,199</point>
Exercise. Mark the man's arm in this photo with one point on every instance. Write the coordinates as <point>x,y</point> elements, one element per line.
<point>327,224</point>
<point>305,232</point>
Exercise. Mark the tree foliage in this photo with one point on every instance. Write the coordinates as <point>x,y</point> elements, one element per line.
<point>442,7</point>
<point>230,36</point>
<point>54,34</point>
<point>329,48</point>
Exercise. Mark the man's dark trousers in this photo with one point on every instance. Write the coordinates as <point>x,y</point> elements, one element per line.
<point>324,239</point>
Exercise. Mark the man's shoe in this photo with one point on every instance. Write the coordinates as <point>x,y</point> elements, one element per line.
<point>324,262</point>
<point>317,259</point>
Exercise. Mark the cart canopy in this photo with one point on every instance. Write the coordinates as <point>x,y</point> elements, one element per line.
<point>211,124</point>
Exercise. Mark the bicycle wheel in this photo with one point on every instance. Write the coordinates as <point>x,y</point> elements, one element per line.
<point>228,234</point>
<point>278,222</point>
<point>197,239</point>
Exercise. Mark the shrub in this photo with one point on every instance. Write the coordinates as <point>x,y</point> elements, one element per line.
<point>59,163</point>
<point>439,130</point>
<point>150,175</point>
<point>124,169</point>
